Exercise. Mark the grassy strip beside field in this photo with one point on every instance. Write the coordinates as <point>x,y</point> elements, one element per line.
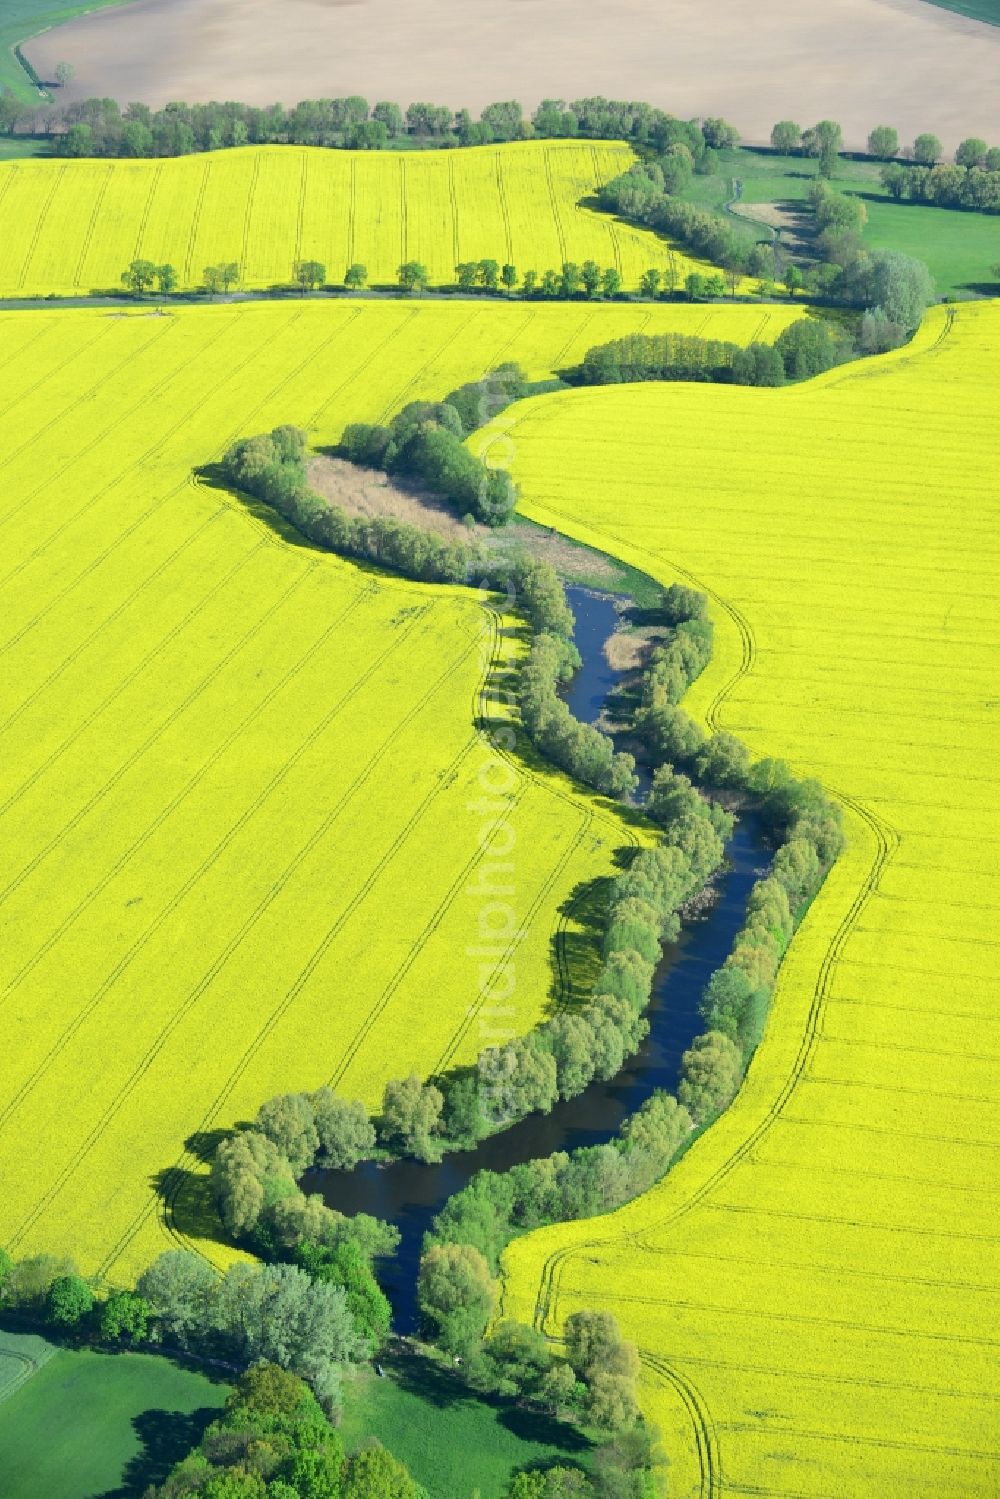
<point>94,1423</point>
<point>237,832</point>
<point>807,1285</point>
<point>457,1445</point>
<point>76,225</point>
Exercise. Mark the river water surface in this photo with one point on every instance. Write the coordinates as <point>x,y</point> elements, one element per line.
<point>409,1193</point>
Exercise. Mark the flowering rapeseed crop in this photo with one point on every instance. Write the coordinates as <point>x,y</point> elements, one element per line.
<point>75,225</point>
<point>813,1286</point>
<point>235,822</point>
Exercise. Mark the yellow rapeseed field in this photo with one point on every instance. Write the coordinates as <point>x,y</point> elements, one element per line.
<point>814,1287</point>
<point>72,226</point>
<point>238,807</point>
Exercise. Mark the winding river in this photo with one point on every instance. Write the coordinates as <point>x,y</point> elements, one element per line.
<point>409,1193</point>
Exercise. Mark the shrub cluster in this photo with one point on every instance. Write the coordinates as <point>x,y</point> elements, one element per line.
<point>801,350</point>
<point>426,441</point>
<point>273,1441</point>
<point>582,750</point>
<point>645,194</point>
<point>976,186</point>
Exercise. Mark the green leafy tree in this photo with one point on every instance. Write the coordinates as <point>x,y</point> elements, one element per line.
<point>391,116</point>
<point>694,285</point>
<point>308,274</point>
<point>649,283</point>
<point>344,1131</point>
<point>611,282</point>
<point>822,139</point>
<point>356,276</point>
<point>457,1294</point>
<point>786,137</point>
<point>570,279</point>
<point>792,279</point>
<point>489,274</point>
<point>508,275</point>
<point>711,1070</point>
<point>182,1289</point>
<point>610,1402</point>
<point>139,276</point>
<point>27,1281</point>
<point>289,1123</point>
<point>971,152</point>
<point>411,1116</point>
<point>467,274</point>
<point>68,1300</point>
<point>375,1474</point>
<point>926,150</point>
<point>530,283</point>
<point>166,279</point>
<point>590,275</point>
<point>413,277</point>
<point>883,143</point>
<point>125,1317</point>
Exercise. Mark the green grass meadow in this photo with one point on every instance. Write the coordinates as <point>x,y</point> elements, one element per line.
<point>88,1425</point>
<point>458,1447</point>
<point>958,247</point>
<point>977,10</point>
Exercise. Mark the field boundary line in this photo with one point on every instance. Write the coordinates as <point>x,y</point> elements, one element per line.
<point>141,941</point>
<point>57,177</point>
<point>158,332</point>
<point>91,226</point>
<point>504,209</point>
<point>142,749</point>
<point>555,206</point>
<point>300,219</point>
<point>165,1203</point>
<point>195,221</point>
<point>154,184</point>
<point>211,973</point>
<point>248,216</point>
<point>452,193</point>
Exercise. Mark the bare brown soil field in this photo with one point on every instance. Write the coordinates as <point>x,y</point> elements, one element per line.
<point>863,62</point>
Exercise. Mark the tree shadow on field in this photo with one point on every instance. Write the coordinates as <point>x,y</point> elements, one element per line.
<point>575,945</point>
<point>166,1437</point>
<point>214,475</point>
<point>444,1389</point>
<point>188,1201</point>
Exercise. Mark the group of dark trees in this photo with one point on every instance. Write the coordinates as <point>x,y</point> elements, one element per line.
<point>273,1441</point>
<point>947,186</point>
<point>279,1312</point>
<point>803,349</point>
<point>426,442</point>
<point>826,140</point>
<point>100,127</point>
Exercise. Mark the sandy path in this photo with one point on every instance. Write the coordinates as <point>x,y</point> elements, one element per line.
<point>863,62</point>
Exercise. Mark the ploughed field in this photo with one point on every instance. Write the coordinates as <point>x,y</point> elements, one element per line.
<point>814,1286</point>
<point>242,780</point>
<point>73,226</point>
